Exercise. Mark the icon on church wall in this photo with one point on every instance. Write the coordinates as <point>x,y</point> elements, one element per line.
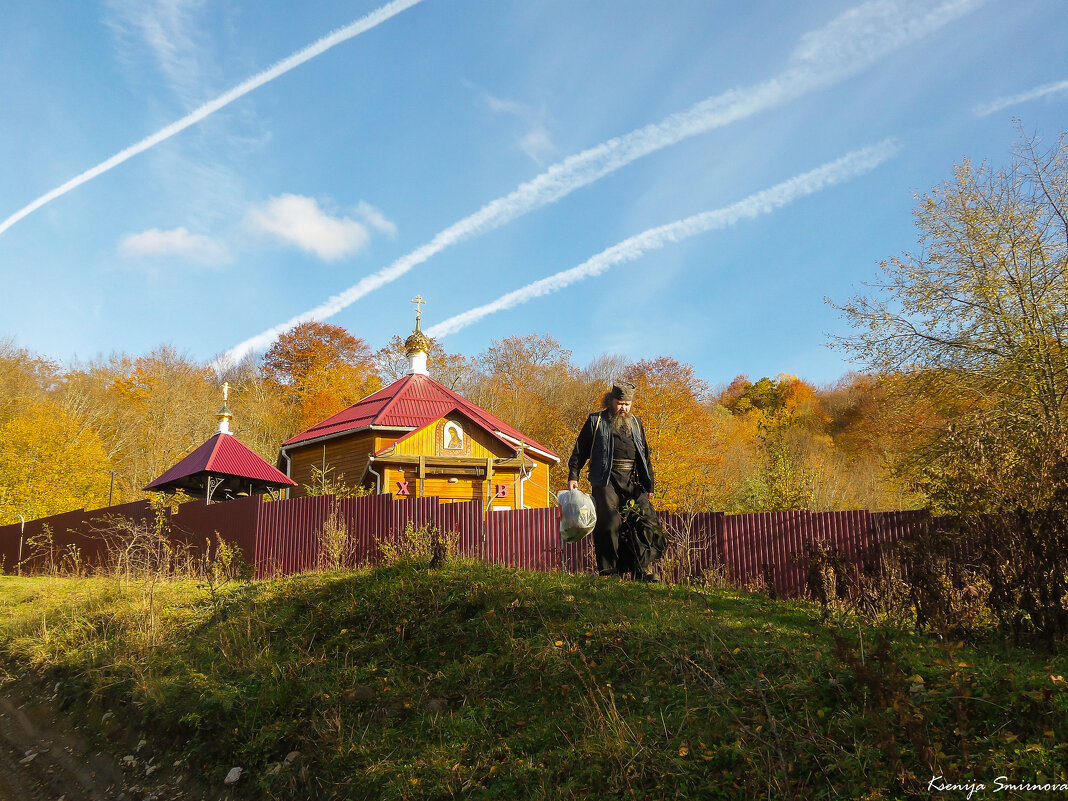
<point>453,435</point>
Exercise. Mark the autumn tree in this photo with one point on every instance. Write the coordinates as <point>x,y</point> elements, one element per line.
<point>50,462</point>
<point>528,382</point>
<point>262,417</point>
<point>522,374</point>
<point>323,367</point>
<point>980,310</point>
<point>683,436</point>
<point>25,378</point>
<point>780,418</point>
<point>788,445</point>
<point>149,411</point>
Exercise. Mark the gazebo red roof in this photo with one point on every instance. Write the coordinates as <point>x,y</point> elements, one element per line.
<point>411,402</point>
<point>221,456</point>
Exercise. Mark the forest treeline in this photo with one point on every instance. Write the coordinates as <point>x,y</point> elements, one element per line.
<point>768,444</point>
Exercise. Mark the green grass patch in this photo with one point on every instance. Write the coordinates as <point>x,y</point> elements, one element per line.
<point>480,681</point>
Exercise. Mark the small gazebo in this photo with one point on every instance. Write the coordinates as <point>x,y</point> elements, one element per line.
<point>222,468</point>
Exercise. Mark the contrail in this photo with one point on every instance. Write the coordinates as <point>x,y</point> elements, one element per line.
<point>843,47</point>
<point>848,166</point>
<point>285,65</point>
<point>985,109</point>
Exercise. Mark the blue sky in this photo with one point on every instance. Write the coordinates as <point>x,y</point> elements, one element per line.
<point>686,178</point>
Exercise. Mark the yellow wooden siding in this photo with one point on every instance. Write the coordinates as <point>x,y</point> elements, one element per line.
<point>460,491</point>
<point>536,491</point>
<point>477,442</point>
<point>385,440</point>
<point>349,457</point>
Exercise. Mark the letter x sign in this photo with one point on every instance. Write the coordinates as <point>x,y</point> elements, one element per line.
<point>402,488</point>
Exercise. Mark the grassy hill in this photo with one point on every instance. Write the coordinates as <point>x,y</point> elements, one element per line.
<point>478,681</point>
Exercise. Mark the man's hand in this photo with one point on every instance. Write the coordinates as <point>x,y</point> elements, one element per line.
<point>572,485</point>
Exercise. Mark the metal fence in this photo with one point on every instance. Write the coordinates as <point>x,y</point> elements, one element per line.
<point>284,537</point>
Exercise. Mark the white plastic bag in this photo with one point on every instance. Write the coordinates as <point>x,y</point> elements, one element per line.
<point>578,514</point>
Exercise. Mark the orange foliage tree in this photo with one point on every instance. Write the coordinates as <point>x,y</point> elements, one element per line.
<point>323,367</point>
<point>683,435</point>
<point>157,408</point>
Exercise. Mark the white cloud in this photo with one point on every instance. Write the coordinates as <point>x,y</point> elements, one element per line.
<point>178,242</point>
<point>537,143</point>
<point>502,106</point>
<point>376,219</point>
<point>299,221</point>
<point>871,30</point>
<point>168,28</point>
<point>984,109</point>
<point>535,140</point>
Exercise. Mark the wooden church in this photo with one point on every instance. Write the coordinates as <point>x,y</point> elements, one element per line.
<point>418,438</point>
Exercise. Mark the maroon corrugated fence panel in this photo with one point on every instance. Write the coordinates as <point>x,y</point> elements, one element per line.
<point>578,556</point>
<point>288,534</point>
<point>368,521</point>
<point>778,538</point>
<point>738,549</point>
<point>524,538</point>
<point>78,535</point>
<point>196,523</point>
<point>794,574</point>
<point>750,544</point>
<point>37,560</point>
<point>466,520</point>
<point>282,537</point>
<point>86,531</point>
<point>10,536</point>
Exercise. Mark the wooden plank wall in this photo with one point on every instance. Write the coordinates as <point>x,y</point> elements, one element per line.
<point>347,455</point>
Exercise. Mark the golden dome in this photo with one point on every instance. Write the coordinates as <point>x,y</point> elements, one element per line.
<point>417,341</point>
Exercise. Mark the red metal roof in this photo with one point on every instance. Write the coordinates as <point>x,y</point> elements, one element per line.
<point>409,403</point>
<point>224,455</point>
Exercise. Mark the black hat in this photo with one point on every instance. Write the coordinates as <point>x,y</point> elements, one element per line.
<point>623,390</point>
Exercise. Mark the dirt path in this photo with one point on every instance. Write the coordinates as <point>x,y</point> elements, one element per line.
<point>43,757</point>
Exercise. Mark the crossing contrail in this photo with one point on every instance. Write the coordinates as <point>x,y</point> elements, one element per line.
<point>848,166</point>
<point>986,109</point>
<point>847,44</point>
<point>361,25</point>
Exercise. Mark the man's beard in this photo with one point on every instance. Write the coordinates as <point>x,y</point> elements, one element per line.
<point>620,421</point>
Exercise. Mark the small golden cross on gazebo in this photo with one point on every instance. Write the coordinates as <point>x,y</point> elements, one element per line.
<point>418,301</point>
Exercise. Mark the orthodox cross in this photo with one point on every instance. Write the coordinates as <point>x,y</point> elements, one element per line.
<point>418,301</point>
<point>226,390</point>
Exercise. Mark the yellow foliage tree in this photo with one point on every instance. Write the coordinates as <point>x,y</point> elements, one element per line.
<point>51,463</point>
<point>528,382</point>
<point>977,315</point>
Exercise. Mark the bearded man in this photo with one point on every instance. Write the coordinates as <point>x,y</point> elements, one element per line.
<point>613,442</point>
